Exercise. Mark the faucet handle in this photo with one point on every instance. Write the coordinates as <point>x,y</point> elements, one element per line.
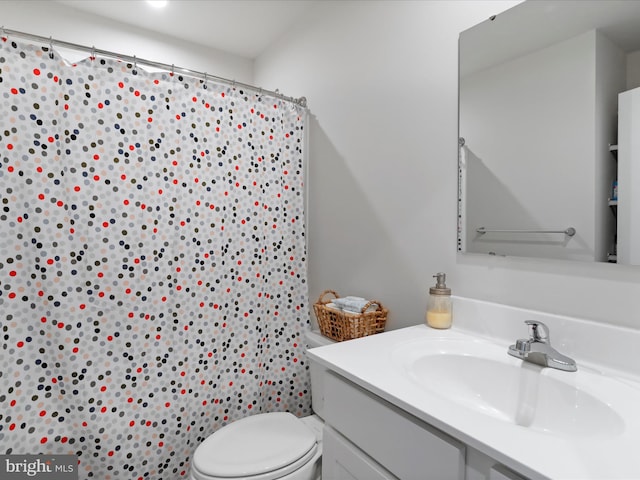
<point>535,334</point>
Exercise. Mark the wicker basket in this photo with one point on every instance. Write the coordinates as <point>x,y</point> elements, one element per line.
<point>340,325</point>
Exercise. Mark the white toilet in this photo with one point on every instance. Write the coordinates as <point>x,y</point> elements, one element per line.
<point>268,446</point>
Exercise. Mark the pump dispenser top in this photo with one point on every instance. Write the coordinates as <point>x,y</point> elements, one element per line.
<point>441,287</point>
<point>439,307</point>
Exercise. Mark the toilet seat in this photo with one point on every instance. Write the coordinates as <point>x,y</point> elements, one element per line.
<point>266,446</point>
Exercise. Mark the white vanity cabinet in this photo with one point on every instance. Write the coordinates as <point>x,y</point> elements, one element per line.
<point>368,438</point>
<point>404,447</point>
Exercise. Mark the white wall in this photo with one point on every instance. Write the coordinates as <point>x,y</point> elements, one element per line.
<point>633,70</point>
<point>381,81</point>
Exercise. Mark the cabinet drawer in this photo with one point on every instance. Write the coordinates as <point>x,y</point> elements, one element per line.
<point>341,460</point>
<point>408,448</point>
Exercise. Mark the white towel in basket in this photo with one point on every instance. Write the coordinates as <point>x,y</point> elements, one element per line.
<point>353,304</point>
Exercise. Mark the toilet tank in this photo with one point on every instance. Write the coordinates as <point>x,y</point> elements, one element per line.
<point>314,339</point>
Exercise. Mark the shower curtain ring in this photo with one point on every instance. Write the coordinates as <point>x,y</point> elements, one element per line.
<point>93,52</point>
<point>172,69</point>
<point>50,47</point>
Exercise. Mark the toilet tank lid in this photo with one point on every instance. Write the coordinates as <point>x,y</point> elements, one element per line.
<point>254,445</point>
<point>315,339</point>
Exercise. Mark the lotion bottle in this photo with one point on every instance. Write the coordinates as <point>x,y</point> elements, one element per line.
<point>439,305</point>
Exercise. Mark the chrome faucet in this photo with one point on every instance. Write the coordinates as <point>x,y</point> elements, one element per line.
<point>537,349</point>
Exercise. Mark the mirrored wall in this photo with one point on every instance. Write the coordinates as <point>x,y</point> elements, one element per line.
<point>542,172</point>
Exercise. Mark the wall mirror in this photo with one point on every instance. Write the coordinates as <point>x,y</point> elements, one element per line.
<point>547,95</point>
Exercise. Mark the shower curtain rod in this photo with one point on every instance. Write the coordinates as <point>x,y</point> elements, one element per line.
<point>302,101</point>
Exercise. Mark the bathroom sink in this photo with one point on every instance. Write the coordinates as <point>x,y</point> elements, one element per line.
<point>482,377</point>
<point>540,422</point>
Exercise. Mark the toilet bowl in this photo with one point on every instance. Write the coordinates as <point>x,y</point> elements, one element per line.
<point>267,446</point>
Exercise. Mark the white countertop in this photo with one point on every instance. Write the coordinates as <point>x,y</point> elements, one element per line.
<point>369,362</point>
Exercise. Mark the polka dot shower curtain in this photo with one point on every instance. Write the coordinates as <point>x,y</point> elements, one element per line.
<point>152,262</point>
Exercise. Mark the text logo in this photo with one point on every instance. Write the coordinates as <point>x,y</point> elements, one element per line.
<point>39,467</point>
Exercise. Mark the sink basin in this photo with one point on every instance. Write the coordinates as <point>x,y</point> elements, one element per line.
<point>481,376</point>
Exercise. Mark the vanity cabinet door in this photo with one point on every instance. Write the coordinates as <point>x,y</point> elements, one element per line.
<point>405,446</point>
<point>341,460</point>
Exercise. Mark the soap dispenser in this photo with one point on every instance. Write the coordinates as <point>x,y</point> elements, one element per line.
<point>439,306</point>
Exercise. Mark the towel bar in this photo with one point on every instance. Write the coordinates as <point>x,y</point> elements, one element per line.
<point>570,231</point>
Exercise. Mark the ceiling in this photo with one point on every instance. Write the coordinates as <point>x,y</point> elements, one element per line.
<point>533,25</point>
<point>241,27</point>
